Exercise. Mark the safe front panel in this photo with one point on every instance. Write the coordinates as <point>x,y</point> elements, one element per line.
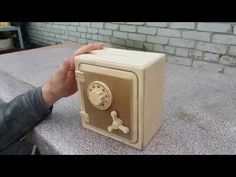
<point>101,83</point>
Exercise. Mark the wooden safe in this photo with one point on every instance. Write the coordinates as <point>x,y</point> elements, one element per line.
<point>121,93</point>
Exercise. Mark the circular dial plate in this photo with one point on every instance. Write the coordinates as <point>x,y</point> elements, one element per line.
<point>99,95</point>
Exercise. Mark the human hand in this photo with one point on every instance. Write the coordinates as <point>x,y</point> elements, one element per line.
<point>63,82</point>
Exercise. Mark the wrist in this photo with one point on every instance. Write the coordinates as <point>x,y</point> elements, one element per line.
<point>48,96</point>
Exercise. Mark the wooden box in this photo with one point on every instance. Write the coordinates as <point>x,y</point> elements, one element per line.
<point>121,93</point>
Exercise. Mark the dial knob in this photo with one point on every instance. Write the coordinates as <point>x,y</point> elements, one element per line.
<point>99,95</point>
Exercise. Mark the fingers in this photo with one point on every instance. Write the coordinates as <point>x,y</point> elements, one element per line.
<point>70,78</point>
<point>63,69</point>
<point>66,64</point>
<point>66,69</point>
<point>72,65</point>
<point>70,75</point>
<point>88,48</point>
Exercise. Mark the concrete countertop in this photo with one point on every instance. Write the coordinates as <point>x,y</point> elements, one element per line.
<point>199,115</point>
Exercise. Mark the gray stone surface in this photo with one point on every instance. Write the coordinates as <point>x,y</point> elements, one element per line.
<point>198,116</point>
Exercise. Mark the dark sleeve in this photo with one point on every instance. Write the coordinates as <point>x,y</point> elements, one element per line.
<point>21,115</point>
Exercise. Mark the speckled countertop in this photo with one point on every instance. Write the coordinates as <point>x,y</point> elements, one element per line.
<point>199,115</point>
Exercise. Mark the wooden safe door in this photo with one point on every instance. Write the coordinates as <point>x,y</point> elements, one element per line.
<point>109,101</point>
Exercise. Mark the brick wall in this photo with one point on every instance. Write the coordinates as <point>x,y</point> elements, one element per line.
<point>211,46</point>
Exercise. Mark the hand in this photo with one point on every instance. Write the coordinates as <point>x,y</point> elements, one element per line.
<point>63,82</point>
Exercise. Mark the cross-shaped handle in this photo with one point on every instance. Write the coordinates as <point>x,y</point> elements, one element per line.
<point>117,124</point>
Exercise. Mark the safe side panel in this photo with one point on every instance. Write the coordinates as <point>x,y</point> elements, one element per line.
<point>154,83</point>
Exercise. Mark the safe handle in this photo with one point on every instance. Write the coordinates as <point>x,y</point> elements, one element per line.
<point>117,124</point>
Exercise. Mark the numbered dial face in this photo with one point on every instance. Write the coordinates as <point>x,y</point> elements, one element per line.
<point>99,95</point>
